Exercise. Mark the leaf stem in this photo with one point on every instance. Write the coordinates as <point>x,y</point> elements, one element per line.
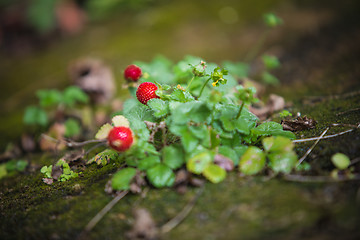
<point>190,83</point>
<point>241,108</point>
<point>202,89</point>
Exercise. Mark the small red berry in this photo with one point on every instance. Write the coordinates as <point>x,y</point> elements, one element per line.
<point>120,138</point>
<point>146,91</point>
<point>132,73</point>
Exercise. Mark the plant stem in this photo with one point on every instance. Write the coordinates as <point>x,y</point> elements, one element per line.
<point>241,108</point>
<point>202,89</point>
<point>189,83</point>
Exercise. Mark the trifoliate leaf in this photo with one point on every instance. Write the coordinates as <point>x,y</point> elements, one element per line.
<point>173,156</point>
<point>282,162</point>
<point>120,121</point>
<point>159,107</point>
<point>199,162</point>
<point>161,176</point>
<point>341,161</point>
<point>148,162</point>
<point>72,127</point>
<point>252,161</point>
<point>103,131</point>
<point>122,179</point>
<point>214,173</point>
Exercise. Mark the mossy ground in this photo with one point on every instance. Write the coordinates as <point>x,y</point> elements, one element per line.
<point>238,208</point>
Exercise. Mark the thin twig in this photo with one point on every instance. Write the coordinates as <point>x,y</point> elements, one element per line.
<point>167,227</point>
<point>350,110</point>
<point>72,143</point>
<point>312,147</point>
<point>101,214</point>
<point>354,161</point>
<point>319,179</point>
<point>324,137</point>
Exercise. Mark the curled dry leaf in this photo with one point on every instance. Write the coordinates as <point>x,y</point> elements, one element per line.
<point>298,124</point>
<point>94,77</point>
<point>224,162</point>
<point>56,131</point>
<point>144,226</point>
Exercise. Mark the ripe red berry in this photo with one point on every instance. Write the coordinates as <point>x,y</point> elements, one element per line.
<point>132,73</point>
<point>120,138</point>
<point>146,91</point>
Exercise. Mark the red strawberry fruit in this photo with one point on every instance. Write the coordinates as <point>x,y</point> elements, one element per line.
<point>120,138</point>
<point>132,73</point>
<point>146,91</point>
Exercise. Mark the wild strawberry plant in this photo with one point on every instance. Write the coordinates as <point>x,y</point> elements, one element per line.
<point>195,116</point>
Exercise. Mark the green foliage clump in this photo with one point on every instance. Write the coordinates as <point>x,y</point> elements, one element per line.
<point>202,112</point>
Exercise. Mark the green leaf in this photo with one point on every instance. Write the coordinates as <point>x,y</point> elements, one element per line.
<point>277,144</point>
<point>252,161</point>
<point>195,111</point>
<point>72,127</point>
<point>74,95</point>
<point>131,104</point>
<point>49,98</point>
<point>304,166</point>
<point>270,79</point>
<point>199,162</point>
<point>341,161</point>
<point>40,15</point>
<point>270,62</point>
<point>239,69</point>
<point>148,162</point>
<point>271,20</point>
<point>35,116</point>
<point>282,162</point>
<point>136,117</point>
<point>159,107</point>
<point>272,128</point>
<point>181,96</point>
<point>103,132</point>
<point>173,156</point>
<point>122,179</point>
<point>16,165</point>
<point>161,176</point>
<point>189,141</point>
<point>46,170</point>
<point>214,173</point>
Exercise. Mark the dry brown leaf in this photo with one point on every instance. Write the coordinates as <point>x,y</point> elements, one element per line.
<point>298,124</point>
<point>144,226</point>
<point>94,77</point>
